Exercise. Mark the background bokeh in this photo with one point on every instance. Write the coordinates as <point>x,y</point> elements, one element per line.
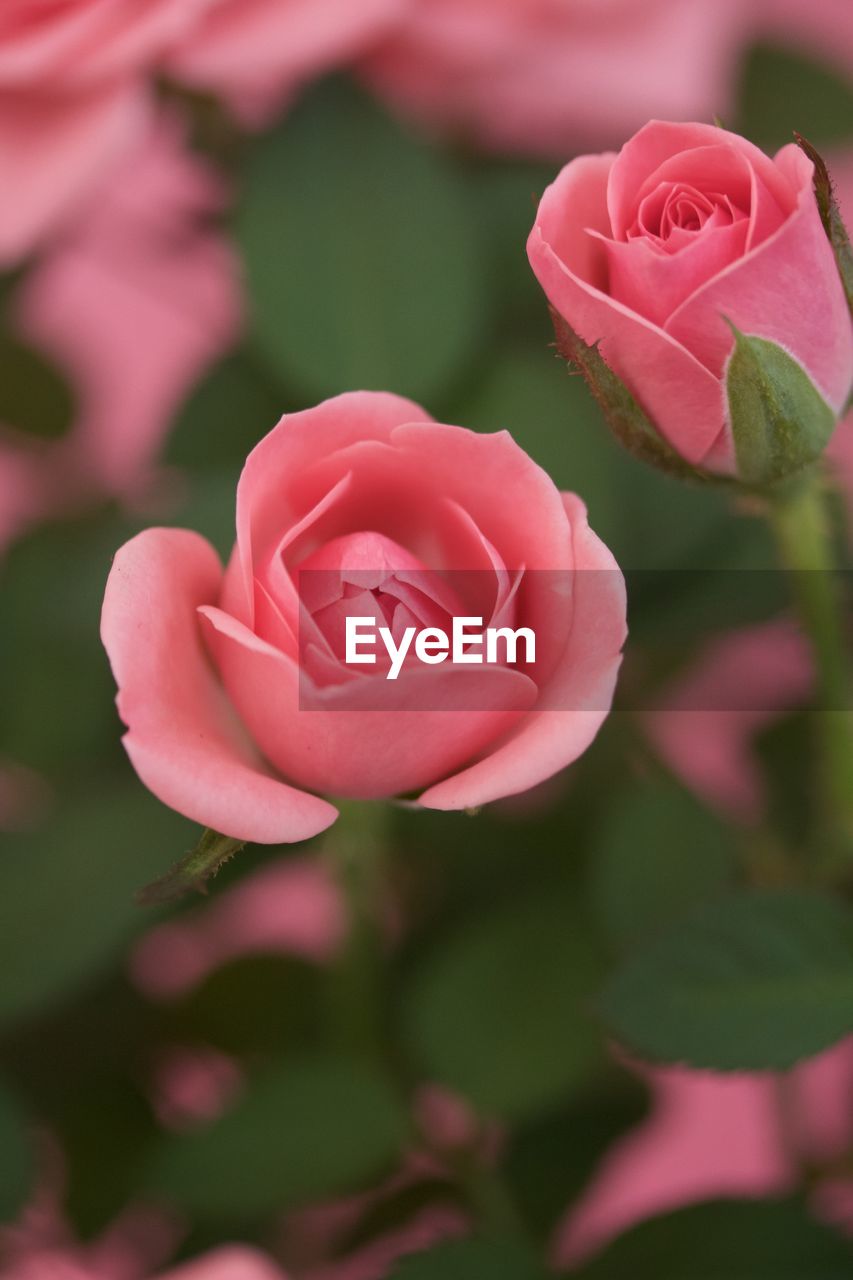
<point>177,1080</point>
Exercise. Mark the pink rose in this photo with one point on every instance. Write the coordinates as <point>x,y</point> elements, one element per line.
<point>132,304</point>
<point>655,251</point>
<point>256,53</point>
<point>72,96</point>
<point>541,76</point>
<point>209,667</point>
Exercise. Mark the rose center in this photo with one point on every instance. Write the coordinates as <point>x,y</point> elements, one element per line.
<point>673,214</point>
<point>368,575</point>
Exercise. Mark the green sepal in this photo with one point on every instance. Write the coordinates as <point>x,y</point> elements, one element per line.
<point>831,217</point>
<point>627,420</point>
<point>192,873</point>
<point>780,421</point>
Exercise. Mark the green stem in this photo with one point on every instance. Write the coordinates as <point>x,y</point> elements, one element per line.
<point>800,522</point>
<point>356,849</point>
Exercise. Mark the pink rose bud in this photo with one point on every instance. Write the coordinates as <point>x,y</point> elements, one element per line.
<point>238,689</point>
<point>693,280</point>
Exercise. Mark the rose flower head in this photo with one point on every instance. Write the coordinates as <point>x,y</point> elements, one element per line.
<point>692,278</point>
<point>242,690</point>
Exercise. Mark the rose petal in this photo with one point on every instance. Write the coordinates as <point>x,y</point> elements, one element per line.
<point>280,484</point>
<point>354,746</point>
<point>770,293</point>
<point>547,741</point>
<point>183,737</point>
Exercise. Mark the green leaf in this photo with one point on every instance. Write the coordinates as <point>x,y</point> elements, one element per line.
<point>790,764</point>
<point>17,1164</point>
<point>780,421</point>
<point>656,855</point>
<point>256,1004</point>
<point>57,705</point>
<point>209,507</point>
<point>497,1012</point>
<point>472,1260</point>
<point>504,193</point>
<point>98,1105</point>
<point>66,891</point>
<point>225,416</point>
<point>34,396</point>
<point>552,1159</point>
<point>784,90</point>
<point>362,255</point>
<point>191,873</point>
<point>754,982</point>
<point>106,1133</point>
<point>727,1240</point>
<point>629,423</point>
<point>831,217</point>
<point>308,1127</point>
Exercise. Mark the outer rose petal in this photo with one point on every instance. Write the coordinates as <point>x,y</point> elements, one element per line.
<point>52,150</point>
<point>183,737</point>
<point>360,751</point>
<point>547,741</point>
<point>684,398</point>
<point>232,1262</point>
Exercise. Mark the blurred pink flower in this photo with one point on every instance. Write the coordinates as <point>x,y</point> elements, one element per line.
<point>542,76</point>
<point>41,1245</point>
<point>133,304</point>
<point>713,1136</point>
<point>290,906</point>
<point>193,1085</point>
<point>23,796</point>
<point>72,98</point>
<point>257,53</point>
<point>822,29</point>
<point>705,728</point>
<point>232,1262</point>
